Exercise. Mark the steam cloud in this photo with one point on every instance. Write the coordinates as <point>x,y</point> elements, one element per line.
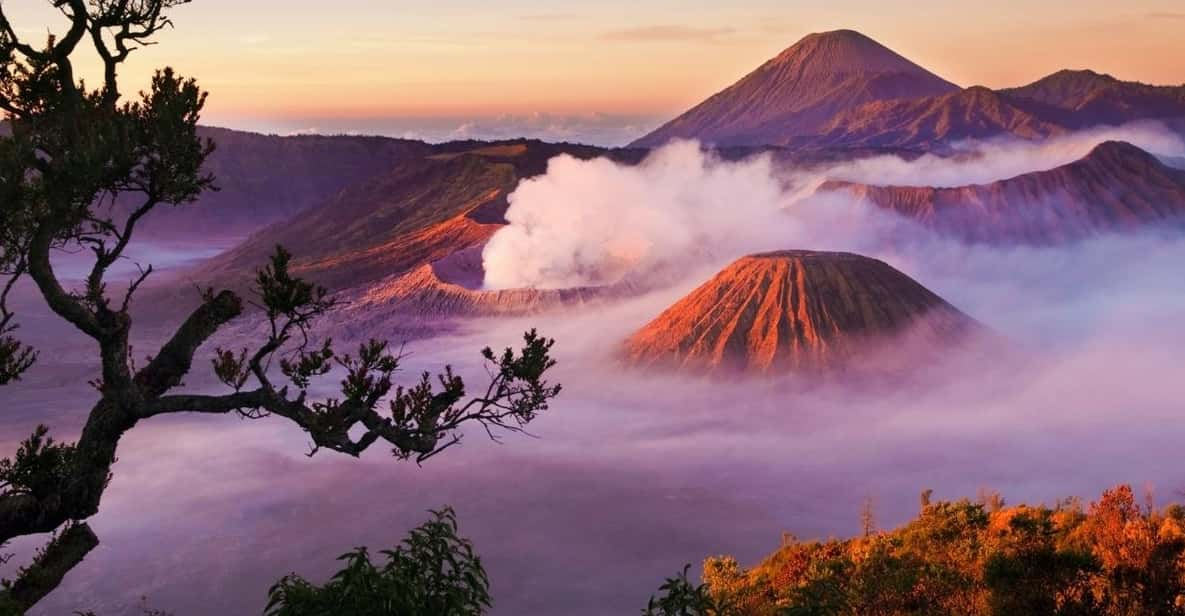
<point>596,222</point>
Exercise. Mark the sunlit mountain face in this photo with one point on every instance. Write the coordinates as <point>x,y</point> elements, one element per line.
<point>778,316</point>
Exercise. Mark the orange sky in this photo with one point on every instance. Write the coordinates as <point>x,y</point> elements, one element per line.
<point>288,59</point>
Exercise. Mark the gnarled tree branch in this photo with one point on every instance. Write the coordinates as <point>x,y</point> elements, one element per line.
<point>175,358</point>
<point>34,582</point>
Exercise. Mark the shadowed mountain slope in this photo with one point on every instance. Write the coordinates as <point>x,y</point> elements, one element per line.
<point>264,179</point>
<point>1091,99</point>
<point>1116,187</point>
<point>926,123</point>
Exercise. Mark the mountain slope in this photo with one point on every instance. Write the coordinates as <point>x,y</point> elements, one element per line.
<point>793,310</point>
<point>796,93</point>
<point>929,122</point>
<point>264,179</point>
<point>425,293</point>
<point>1091,98</point>
<point>416,213</point>
<point>1116,187</point>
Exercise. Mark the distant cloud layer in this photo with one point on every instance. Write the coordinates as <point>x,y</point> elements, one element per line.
<point>1166,15</point>
<point>600,129</point>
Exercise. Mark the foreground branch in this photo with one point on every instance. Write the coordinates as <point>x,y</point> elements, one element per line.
<point>45,573</point>
<point>175,358</point>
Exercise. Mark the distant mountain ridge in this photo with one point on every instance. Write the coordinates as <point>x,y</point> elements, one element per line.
<point>842,89</point>
<point>1116,187</point>
<point>1092,98</point>
<point>924,123</point>
<point>265,179</point>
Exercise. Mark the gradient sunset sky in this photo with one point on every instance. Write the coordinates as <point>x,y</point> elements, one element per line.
<point>378,65</point>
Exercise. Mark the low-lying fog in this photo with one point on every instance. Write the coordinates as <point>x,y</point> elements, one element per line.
<point>633,475</point>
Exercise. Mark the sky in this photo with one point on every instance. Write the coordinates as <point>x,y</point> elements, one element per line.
<point>604,71</point>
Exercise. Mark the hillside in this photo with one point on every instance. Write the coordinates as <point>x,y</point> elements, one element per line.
<point>930,122</point>
<point>1091,98</point>
<point>264,179</point>
<point>416,213</point>
<point>1116,187</point>
<point>433,297</point>
<point>793,310</point>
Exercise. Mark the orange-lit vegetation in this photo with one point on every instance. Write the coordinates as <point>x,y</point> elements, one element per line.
<point>1115,557</point>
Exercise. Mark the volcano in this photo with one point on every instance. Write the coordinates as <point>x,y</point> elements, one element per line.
<point>842,89</point>
<point>799,91</point>
<point>795,310</point>
<point>1117,187</point>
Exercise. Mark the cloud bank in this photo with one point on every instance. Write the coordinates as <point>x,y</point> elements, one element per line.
<point>635,474</point>
<point>596,222</point>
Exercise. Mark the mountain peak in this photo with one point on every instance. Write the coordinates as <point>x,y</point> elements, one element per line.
<point>1114,155</point>
<point>1119,148</point>
<point>844,51</point>
<point>797,92</point>
<point>792,310</point>
<point>1083,75</point>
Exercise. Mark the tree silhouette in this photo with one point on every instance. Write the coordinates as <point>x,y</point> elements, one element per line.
<point>71,152</point>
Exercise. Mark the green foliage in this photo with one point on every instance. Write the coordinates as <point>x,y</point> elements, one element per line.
<point>232,369</point>
<point>432,573</point>
<point>526,371</point>
<point>15,358</point>
<point>308,364</point>
<point>368,376</point>
<point>39,467</point>
<point>682,598</point>
<point>287,296</point>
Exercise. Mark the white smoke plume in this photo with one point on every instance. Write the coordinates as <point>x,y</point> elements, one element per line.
<point>595,222</point>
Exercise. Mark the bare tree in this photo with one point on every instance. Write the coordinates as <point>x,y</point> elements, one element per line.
<point>71,153</point>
